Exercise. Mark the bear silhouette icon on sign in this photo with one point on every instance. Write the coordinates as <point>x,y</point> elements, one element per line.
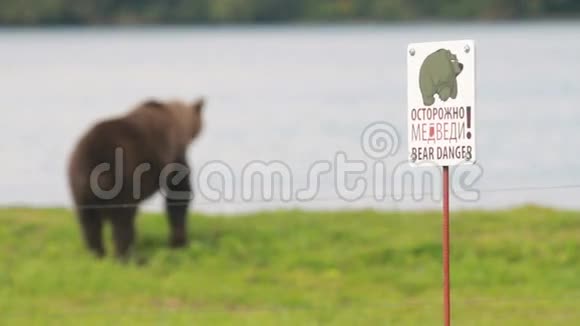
<point>438,75</point>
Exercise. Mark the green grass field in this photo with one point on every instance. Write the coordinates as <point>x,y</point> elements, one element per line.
<point>513,267</point>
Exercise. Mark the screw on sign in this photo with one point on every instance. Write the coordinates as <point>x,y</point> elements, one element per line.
<point>440,120</point>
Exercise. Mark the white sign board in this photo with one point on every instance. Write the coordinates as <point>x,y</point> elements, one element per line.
<point>441,102</point>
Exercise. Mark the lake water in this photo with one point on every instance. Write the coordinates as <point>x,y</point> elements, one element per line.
<point>295,94</point>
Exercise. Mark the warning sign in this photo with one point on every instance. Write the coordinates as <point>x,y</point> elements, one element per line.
<point>441,102</point>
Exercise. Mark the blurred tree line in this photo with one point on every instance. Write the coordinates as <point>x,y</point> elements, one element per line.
<point>25,12</point>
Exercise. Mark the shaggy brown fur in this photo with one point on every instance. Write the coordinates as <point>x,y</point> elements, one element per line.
<point>122,161</point>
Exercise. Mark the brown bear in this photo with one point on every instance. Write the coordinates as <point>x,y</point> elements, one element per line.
<point>122,161</point>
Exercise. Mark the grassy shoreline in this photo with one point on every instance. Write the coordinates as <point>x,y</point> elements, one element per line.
<point>510,267</point>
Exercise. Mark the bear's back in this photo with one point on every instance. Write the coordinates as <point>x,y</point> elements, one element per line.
<point>123,144</point>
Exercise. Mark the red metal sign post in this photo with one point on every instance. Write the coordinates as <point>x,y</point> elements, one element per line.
<point>446,281</point>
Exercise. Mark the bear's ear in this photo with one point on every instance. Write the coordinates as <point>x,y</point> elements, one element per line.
<point>152,103</point>
<point>198,105</point>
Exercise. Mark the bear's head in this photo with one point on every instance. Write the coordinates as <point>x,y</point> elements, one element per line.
<point>196,108</point>
<point>186,117</point>
<point>456,66</point>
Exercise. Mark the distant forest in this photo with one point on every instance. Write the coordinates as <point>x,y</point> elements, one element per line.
<point>46,12</point>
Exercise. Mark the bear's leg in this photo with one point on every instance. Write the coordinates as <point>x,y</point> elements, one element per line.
<point>92,225</point>
<point>444,93</point>
<point>177,201</point>
<point>123,221</point>
<point>428,100</point>
<point>454,89</point>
